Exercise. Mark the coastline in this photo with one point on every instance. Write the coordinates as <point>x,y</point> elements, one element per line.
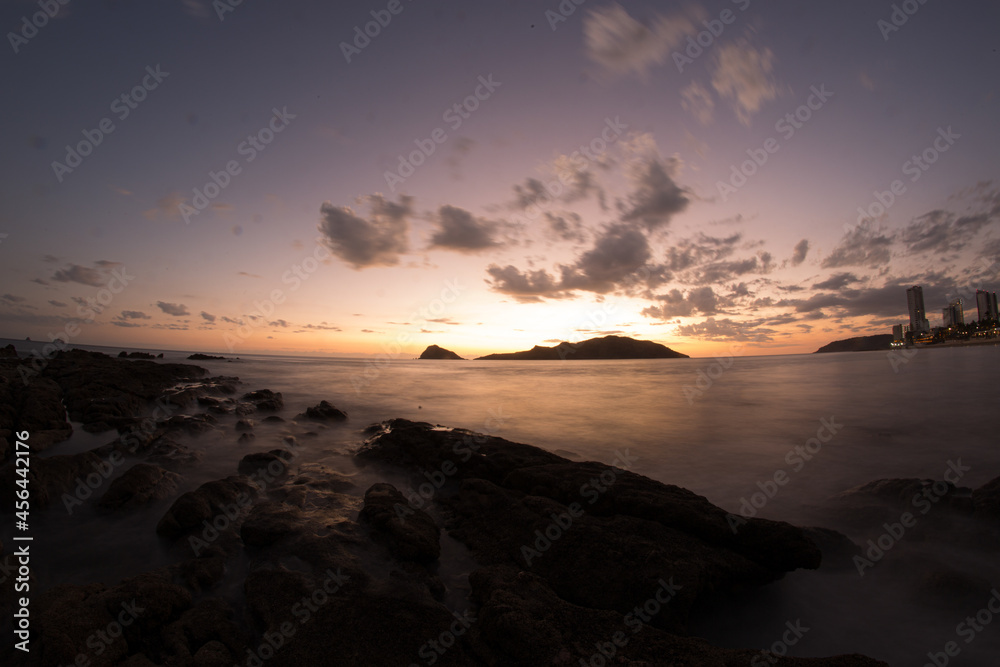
<point>524,517</point>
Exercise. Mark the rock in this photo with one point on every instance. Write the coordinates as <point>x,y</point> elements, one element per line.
<point>8,352</point>
<point>225,496</point>
<point>410,534</point>
<point>275,462</point>
<point>198,356</point>
<point>140,485</point>
<point>522,507</point>
<point>323,412</point>
<point>986,500</point>
<point>246,438</point>
<point>435,352</point>
<point>244,425</point>
<point>269,522</point>
<point>265,400</point>
<point>272,419</point>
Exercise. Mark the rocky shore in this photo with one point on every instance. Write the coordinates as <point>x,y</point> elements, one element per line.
<point>493,553</point>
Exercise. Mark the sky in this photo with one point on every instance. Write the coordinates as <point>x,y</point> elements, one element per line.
<point>370,178</point>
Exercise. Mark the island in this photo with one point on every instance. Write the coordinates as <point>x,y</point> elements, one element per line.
<point>858,344</point>
<point>198,356</point>
<point>435,352</point>
<point>608,347</point>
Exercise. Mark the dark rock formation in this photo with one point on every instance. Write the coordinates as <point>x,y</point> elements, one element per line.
<point>858,344</point>
<point>198,356</point>
<point>325,411</point>
<point>141,484</point>
<point>265,400</point>
<point>410,534</point>
<point>608,347</point>
<point>435,352</point>
<point>221,497</point>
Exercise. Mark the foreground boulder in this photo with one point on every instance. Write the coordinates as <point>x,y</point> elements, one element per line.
<point>140,485</point>
<point>325,411</point>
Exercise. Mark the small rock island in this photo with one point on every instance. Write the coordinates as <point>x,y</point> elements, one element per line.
<point>435,352</point>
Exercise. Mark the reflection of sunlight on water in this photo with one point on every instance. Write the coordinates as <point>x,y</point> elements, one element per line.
<point>940,406</point>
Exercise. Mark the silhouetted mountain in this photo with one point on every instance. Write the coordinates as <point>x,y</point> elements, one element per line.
<point>609,347</point>
<point>858,344</point>
<point>435,352</point>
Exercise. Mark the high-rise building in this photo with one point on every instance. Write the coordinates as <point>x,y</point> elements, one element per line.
<point>946,317</point>
<point>954,314</point>
<point>986,303</point>
<point>915,302</point>
<point>897,332</point>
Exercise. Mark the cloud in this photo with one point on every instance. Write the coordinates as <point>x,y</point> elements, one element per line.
<point>169,207</point>
<point>617,254</point>
<point>656,198</point>
<point>80,274</point>
<point>175,309</point>
<point>565,226</point>
<point>697,100</point>
<point>526,286</point>
<point>675,304</point>
<point>279,323</point>
<point>457,229</point>
<point>727,330</point>
<point>800,252</point>
<point>208,317</point>
<point>837,281</point>
<point>742,74</point>
<point>125,324</point>
<point>622,45</point>
<point>40,281</point>
<point>57,304</point>
<point>11,298</point>
<point>378,240</point>
<point>134,315</point>
<point>863,245</point>
<point>248,275</point>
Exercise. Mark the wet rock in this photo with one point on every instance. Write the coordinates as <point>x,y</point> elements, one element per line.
<point>325,411</point>
<point>275,462</point>
<point>272,418</point>
<point>225,496</point>
<point>244,425</point>
<point>268,522</point>
<point>410,534</point>
<point>140,485</point>
<point>265,400</point>
<point>246,438</point>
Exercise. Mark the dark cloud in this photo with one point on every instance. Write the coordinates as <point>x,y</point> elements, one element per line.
<point>80,274</point>
<point>208,317</point>
<point>57,304</point>
<point>378,240</point>
<point>565,226</point>
<point>40,281</point>
<point>675,304</point>
<point>837,281</point>
<point>692,252</point>
<point>800,252</point>
<point>864,245</point>
<point>134,315</point>
<point>279,323</point>
<point>618,253</point>
<point>175,309</point>
<point>457,229</point>
<point>523,286</point>
<point>656,198</point>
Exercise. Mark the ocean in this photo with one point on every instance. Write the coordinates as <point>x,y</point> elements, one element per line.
<point>722,428</point>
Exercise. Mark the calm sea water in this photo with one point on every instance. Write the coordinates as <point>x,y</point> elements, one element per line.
<point>907,419</point>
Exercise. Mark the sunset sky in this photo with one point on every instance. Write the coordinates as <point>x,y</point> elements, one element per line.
<point>572,176</point>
